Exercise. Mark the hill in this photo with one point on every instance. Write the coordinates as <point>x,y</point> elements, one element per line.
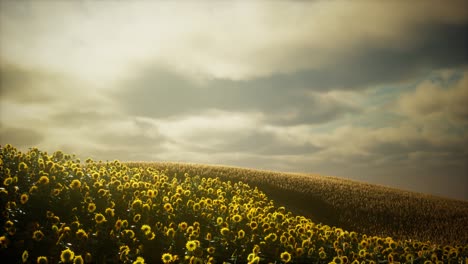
<point>56,209</point>
<point>362,207</point>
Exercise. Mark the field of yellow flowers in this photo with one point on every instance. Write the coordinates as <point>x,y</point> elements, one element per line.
<point>56,209</point>
<point>351,205</point>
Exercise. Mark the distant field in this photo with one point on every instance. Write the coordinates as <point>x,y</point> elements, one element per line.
<point>352,205</point>
<point>58,209</point>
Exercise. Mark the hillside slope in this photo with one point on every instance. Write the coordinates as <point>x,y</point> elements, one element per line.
<point>362,207</point>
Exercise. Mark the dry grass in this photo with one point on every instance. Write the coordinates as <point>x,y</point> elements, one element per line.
<point>352,205</point>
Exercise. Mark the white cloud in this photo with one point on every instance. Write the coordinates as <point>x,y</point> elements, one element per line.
<point>101,41</point>
<point>432,101</point>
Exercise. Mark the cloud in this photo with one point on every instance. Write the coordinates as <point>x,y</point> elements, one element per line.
<point>25,85</point>
<point>432,100</point>
<point>161,93</point>
<point>243,40</point>
<point>20,137</point>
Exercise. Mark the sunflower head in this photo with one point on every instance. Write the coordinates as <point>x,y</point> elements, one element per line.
<point>38,235</point>
<point>75,184</point>
<point>237,218</point>
<point>91,207</point>
<point>25,256</point>
<point>24,198</point>
<point>191,245</point>
<point>67,255</point>
<point>44,180</point>
<point>285,257</point>
<point>78,260</point>
<point>146,229</point>
<point>100,218</point>
<point>42,260</point>
<point>139,260</point>
<point>166,258</point>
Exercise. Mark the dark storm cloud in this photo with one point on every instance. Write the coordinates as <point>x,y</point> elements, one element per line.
<point>160,93</point>
<point>286,99</point>
<point>20,137</point>
<point>434,47</point>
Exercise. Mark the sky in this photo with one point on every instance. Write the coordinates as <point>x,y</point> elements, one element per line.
<point>374,91</point>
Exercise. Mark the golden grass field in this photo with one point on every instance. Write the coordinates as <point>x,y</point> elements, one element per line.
<point>57,209</point>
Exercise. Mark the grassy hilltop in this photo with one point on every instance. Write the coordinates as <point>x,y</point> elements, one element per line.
<point>56,209</point>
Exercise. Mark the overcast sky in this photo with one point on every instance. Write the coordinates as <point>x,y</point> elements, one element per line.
<point>370,90</point>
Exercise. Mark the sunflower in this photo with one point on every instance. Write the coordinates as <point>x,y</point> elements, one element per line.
<point>22,167</point>
<point>24,198</point>
<point>56,192</point>
<point>168,207</point>
<point>136,204</point>
<point>146,229</point>
<point>285,257</point>
<point>256,249</point>
<point>79,174</point>
<point>237,218</point>
<point>272,236</point>
<point>170,232</point>
<point>95,175</point>
<point>219,220</point>
<point>196,207</point>
<point>410,258</point>
<point>100,218</point>
<point>44,180</point>
<point>129,233</point>
<point>118,224</point>
<point>42,260</point>
<point>322,254</point>
<point>102,192</point>
<point>75,184</point>
<point>136,218</point>
<point>362,253</point>
<point>210,250</point>
<point>139,260</point>
<point>25,256</point>
<point>78,260</point>
<point>191,245</point>
<point>253,225</point>
<point>283,239</point>
<point>81,234</point>
<point>337,260</point>
<point>7,181</point>
<point>67,255</point>
<point>91,207</point>
<point>109,212</point>
<point>166,258</point>
<point>241,234</point>
<point>38,235</point>
<point>224,231</point>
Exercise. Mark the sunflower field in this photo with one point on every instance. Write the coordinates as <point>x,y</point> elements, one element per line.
<point>57,209</point>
